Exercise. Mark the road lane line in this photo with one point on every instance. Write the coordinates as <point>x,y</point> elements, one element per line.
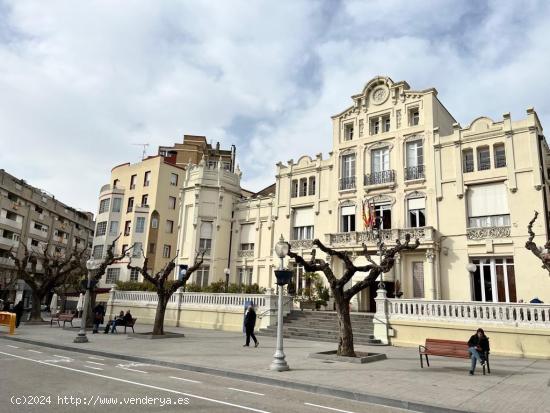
<point>246,391</point>
<point>95,358</point>
<point>35,351</point>
<point>92,367</point>
<point>181,378</point>
<point>139,371</point>
<point>63,357</point>
<point>150,386</point>
<point>9,345</point>
<point>95,362</point>
<point>328,408</point>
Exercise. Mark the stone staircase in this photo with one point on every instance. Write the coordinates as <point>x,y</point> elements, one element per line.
<point>323,326</point>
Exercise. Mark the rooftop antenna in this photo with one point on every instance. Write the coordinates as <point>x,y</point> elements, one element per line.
<point>144,153</point>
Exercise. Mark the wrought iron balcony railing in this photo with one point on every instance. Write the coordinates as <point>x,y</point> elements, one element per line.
<point>380,177</point>
<point>414,172</point>
<point>347,183</point>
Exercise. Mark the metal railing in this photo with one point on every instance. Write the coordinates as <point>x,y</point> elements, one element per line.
<point>347,183</point>
<point>380,177</point>
<point>414,172</point>
<point>468,166</point>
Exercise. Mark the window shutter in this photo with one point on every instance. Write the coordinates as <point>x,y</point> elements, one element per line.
<point>348,210</point>
<point>487,199</point>
<point>247,234</point>
<point>206,230</point>
<point>417,203</point>
<point>303,217</point>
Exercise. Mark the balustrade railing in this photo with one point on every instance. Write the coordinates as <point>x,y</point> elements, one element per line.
<point>469,312</point>
<point>424,234</point>
<point>488,232</point>
<point>414,172</point>
<point>245,253</point>
<point>301,243</point>
<point>347,183</point>
<point>380,177</point>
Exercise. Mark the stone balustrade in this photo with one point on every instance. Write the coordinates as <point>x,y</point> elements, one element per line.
<point>506,314</point>
<point>487,233</point>
<point>301,243</point>
<point>245,253</point>
<point>353,239</point>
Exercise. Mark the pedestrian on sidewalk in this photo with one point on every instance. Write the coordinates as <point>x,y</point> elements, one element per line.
<point>478,346</point>
<point>99,314</point>
<point>18,310</point>
<point>249,324</point>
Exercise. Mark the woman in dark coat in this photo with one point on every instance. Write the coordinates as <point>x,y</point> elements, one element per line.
<point>99,314</point>
<point>478,346</point>
<point>249,324</point>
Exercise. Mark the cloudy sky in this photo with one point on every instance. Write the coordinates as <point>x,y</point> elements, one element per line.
<point>82,81</point>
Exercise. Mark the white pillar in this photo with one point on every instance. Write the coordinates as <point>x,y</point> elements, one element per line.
<point>429,276</point>
<point>397,270</point>
<point>381,317</point>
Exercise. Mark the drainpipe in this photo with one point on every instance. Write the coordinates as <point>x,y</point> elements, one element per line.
<point>230,242</point>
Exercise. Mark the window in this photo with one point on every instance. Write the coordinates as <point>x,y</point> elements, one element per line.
<point>205,240</point>
<point>386,124</point>
<point>417,212</point>
<point>112,275</point>
<point>169,226</point>
<point>303,186</point>
<point>348,172</point>
<point>348,218</point>
<point>154,222</point>
<point>294,188</point>
<point>174,179</point>
<point>374,126</point>
<point>137,250</point>
<point>151,248</point>
<point>140,225</point>
<point>34,242</point>
<point>415,160</point>
<point>101,228</point>
<point>38,209</point>
<point>247,246</point>
<point>418,279</point>
<point>383,211</point>
<point>115,183</point>
<point>113,228</point>
<point>244,276</point>
<point>97,252</point>
<point>468,160</point>
<point>414,117</point>
<point>361,127</point>
<point>500,156</point>
<point>134,275</point>
<point>104,205</point>
<point>348,132</point>
<point>494,280</point>
<point>201,277</point>
<point>488,206</point>
<point>147,178</point>
<point>311,185</point>
<point>303,223</point>
<point>166,251</point>
<point>380,160</point>
<point>133,179</point>
<point>117,203</point>
<point>205,244</point>
<point>144,199</point>
<point>172,202</point>
<point>130,204</point>
<point>248,234</point>
<point>12,216</point>
<point>483,158</point>
<point>127,227</point>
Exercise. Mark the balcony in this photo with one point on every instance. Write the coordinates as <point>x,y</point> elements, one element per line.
<point>356,239</point>
<point>379,178</point>
<point>11,222</point>
<point>488,233</point>
<point>8,241</point>
<point>39,232</point>
<point>245,253</point>
<point>7,262</point>
<point>301,243</point>
<point>414,172</point>
<point>347,183</point>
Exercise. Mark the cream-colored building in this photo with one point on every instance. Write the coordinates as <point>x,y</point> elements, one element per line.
<point>467,193</point>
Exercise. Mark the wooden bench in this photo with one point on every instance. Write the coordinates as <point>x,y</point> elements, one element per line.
<point>66,318</point>
<point>130,324</point>
<point>448,348</point>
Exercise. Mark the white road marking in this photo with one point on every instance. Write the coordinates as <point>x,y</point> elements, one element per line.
<point>328,408</point>
<point>63,357</point>
<point>95,358</point>
<point>138,371</point>
<point>35,351</point>
<point>246,391</point>
<point>137,383</point>
<point>189,380</point>
<point>95,362</point>
<point>92,367</point>
<point>9,345</point>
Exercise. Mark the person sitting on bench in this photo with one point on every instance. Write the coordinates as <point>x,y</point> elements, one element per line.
<point>113,323</point>
<point>478,346</point>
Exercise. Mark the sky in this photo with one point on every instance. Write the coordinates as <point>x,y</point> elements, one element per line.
<point>82,82</point>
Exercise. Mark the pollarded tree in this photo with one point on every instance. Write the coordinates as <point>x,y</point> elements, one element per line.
<point>342,296</point>
<point>543,254</point>
<point>164,286</point>
<point>56,267</point>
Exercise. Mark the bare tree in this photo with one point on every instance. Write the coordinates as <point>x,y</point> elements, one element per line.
<point>343,296</point>
<point>164,287</point>
<point>55,268</point>
<point>543,254</point>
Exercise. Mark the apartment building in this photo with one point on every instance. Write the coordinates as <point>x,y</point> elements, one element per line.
<point>467,193</point>
<point>31,216</point>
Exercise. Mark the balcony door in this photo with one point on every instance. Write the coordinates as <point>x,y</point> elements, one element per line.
<point>415,160</point>
<point>380,160</point>
<point>494,280</point>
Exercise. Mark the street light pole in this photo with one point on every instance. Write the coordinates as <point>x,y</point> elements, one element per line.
<point>81,337</point>
<point>279,363</point>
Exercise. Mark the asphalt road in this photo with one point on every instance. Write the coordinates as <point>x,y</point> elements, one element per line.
<point>40,379</point>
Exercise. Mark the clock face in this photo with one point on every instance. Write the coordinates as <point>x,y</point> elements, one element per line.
<point>379,95</point>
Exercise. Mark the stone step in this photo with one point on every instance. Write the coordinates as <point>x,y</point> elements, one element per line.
<point>319,333</point>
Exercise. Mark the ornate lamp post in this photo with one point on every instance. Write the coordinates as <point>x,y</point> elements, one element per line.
<point>283,278</point>
<point>227,272</point>
<point>81,337</point>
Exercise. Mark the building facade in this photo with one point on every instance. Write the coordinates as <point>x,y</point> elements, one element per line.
<point>467,193</point>
<point>32,217</point>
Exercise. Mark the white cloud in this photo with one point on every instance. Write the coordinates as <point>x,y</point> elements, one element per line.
<point>81,82</point>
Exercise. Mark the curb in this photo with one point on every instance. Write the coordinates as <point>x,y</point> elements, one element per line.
<point>310,388</point>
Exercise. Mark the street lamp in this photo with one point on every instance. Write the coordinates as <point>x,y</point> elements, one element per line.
<point>227,272</point>
<point>81,337</point>
<point>283,278</point>
<point>471,267</point>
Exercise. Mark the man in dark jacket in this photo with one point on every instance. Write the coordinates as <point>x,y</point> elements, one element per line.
<point>249,324</point>
<point>478,346</point>
<point>18,310</point>
<point>99,314</point>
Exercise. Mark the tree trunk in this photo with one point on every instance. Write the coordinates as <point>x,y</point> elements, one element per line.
<point>158,327</point>
<point>91,316</point>
<point>36,312</point>
<point>345,341</point>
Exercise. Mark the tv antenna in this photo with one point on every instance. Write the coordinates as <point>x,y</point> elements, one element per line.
<point>144,153</point>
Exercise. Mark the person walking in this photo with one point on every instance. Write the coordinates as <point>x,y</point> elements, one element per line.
<point>99,314</point>
<point>249,324</point>
<point>478,346</point>
<point>18,310</point>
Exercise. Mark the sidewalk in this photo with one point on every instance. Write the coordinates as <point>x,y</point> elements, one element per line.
<point>514,385</point>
